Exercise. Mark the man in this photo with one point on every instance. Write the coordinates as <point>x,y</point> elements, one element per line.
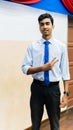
<point>45,91</point>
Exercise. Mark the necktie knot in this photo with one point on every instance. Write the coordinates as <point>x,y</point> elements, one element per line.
<point>46,42</point>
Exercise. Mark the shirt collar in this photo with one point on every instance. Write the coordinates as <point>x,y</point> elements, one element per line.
<point>50,40</point>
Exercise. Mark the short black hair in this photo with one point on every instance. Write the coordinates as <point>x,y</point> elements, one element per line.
<point>46,15</point>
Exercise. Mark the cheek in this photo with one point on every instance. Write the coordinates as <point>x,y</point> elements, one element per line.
<point>40,28</point>
<point>50,29</point>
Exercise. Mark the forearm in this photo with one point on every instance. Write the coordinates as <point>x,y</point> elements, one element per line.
<point>66,85</point>
<point>46,67</point>
<point>33,70</point>
<point>64,100</point>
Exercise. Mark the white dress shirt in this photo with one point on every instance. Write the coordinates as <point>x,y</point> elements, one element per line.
<point>34,57</point>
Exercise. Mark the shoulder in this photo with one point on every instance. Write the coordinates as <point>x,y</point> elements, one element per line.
<point>35,43</point>
<point>60,43</point>
<point>62,46</point>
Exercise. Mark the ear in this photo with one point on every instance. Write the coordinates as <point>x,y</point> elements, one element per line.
<point>53,26</point>
<point>39,28</point>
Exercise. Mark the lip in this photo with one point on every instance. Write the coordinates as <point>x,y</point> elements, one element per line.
<point>45,30</point>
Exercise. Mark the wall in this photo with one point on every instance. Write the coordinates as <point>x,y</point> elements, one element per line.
<point>19,22</point>
<point>18,28</point>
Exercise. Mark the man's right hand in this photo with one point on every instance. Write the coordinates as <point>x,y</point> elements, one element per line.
<point>49,65</point>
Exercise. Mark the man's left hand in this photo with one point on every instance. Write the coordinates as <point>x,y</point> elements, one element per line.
<point>64,101</point>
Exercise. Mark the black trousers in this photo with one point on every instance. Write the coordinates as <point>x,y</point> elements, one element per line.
<point>50,97</point>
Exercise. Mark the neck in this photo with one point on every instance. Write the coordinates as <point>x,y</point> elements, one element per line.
<point>47,37</point>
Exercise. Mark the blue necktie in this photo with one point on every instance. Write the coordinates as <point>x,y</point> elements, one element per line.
<point>46,59</point>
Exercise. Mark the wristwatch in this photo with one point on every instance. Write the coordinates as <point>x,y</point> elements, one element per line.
<point>67,93</point>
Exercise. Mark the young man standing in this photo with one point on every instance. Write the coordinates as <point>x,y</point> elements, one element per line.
<point>47,61</point>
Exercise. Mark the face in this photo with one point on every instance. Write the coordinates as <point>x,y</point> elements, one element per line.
<point>46,28</point>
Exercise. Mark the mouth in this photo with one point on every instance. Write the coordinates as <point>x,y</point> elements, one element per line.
<point>45,31</point>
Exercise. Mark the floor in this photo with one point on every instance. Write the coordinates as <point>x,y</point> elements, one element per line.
<point>66,121</point>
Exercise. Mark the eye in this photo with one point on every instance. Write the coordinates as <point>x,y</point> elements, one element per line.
<point>47,23</point>
<point>41,24</point>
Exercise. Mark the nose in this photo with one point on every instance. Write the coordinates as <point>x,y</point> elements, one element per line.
<point>45,26</point>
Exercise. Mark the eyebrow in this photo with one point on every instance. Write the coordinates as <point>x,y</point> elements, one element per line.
<point>44,22</point>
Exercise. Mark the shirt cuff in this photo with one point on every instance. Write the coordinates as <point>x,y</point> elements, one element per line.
<point>25,69</point>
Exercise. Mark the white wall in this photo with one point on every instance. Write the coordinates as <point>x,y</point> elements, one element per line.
<point>18,26</point>
<point>19,22</point>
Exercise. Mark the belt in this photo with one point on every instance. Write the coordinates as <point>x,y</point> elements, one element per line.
<point>42,83</point>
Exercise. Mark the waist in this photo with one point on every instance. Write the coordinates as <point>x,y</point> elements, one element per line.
<point>42,83</point>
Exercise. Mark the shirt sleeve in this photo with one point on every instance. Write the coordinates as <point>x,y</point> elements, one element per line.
<point>27,63</point>
<point>64,65</point>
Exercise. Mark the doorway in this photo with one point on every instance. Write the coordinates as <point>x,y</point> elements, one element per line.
<point>70,54</point>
